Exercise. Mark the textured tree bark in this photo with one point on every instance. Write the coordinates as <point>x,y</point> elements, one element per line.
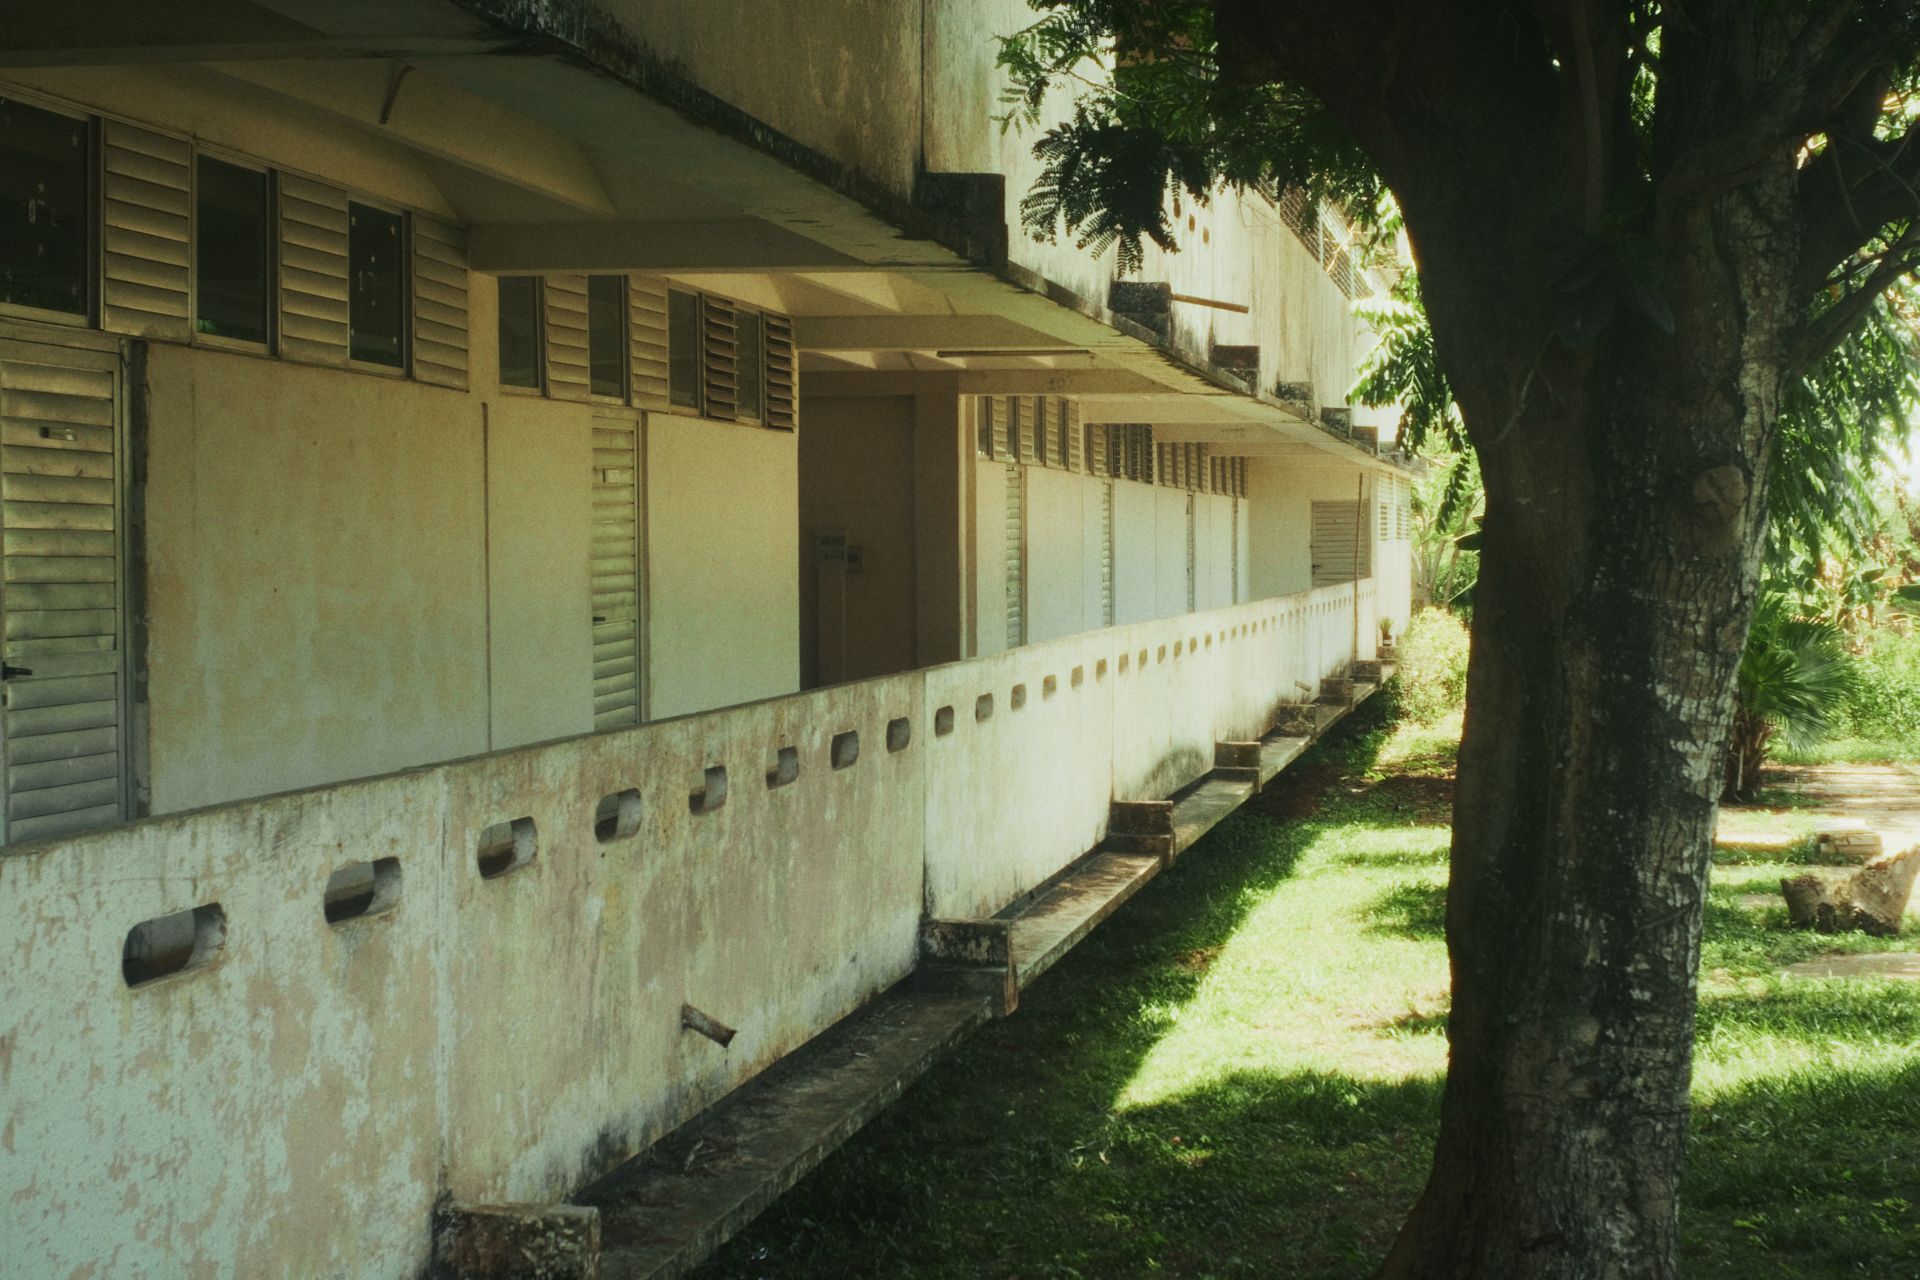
<point>1622,545</point>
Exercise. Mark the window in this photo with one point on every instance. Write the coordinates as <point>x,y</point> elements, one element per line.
<point>520,331</point>
<point>45,223</point>
<point>376,286</point>
<point>750,340</point>
<point>607,336</point>
<point>683,349</point>
<point>233,250</point>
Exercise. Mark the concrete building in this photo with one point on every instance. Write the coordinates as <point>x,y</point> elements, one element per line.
<point>521,519</point>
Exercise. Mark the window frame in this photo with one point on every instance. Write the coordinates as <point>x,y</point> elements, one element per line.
<point>241,346</point>
<point>625,320</point>
<point>405,368</point>
<point>88,317</point>
<point>539,387</point>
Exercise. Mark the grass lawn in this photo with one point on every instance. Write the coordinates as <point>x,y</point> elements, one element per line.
<point>1239,1075</point>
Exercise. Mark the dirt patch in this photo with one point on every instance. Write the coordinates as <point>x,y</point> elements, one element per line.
<point>1424,795</point>
<point>1197,961</point>
<point>1298,793</point>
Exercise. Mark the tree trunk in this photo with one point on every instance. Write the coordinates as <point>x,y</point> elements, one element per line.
<point>1622,545</point>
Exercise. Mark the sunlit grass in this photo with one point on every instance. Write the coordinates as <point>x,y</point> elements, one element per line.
<point>1239,1075</point>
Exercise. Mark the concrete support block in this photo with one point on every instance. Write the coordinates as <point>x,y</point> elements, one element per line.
<point>1148,303</point>
<point>516,1242</point>
<point>969,957</point>
<point>1237,760</point>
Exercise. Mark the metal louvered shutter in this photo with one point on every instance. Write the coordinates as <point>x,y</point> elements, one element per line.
<point>566,326</point>
<point>1076,445</point>
<point>59,542</point>
<point>440,303</point>
<point>1233,524</point>
<point>719,356</point>
<point>1026,412</point>
<point>1098,457</point>
<point>1016,565</point>
<point>615,571</point>
<point>1339,554</point>
<point>647,331</point>
<point>145,226</point>
<point>783,374</point>
<point>313,271</point>
<point>1106,552</point>
<point>1001,408</point>
<point>1193,558</point>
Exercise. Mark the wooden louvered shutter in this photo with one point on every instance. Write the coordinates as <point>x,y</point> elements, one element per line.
<point>647,331</point>
<point>313,271</point>
<point>440,303</point>
<point>1000,407</point>
<point>565,299</point>
<point>145,229</point>
<point>783,374</point>
<point>1099,453</point>
<point>1076,450</point>
<point>719,372</point>
<point>59,543</point>
<point>615,570</point>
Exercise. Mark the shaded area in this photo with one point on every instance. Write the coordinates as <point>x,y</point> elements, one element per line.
<point>1411,910</point>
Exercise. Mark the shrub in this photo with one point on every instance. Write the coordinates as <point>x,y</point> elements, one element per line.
<point>1433,665</point>
<point>1885,702</point>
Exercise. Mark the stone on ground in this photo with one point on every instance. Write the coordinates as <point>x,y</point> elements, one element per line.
<point>1871,900</point>
<point>1848,844</point>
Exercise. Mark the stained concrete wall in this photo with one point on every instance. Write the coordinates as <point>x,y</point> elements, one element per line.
<point>722,524</point>
<point>316,576</point>
<point>295,1106</point>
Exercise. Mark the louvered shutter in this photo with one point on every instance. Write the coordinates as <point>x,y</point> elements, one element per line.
<point>1335,544</point>
<point>719,356</point>
<point>1233,523</point>
<point>1106,552</point>
<point>1099,449</point>
<point>616,571</point>
<point>1016,561</point>
<point>440,303</point>
<point>313,271</point>
<point>1076,445</point>
<point>145,230</point>
<point>59,542</point>
<point>568,364</point>
<point>783,374</point>
<point>647,331</point>
<point>1027,410</point>
<point>999,407</point>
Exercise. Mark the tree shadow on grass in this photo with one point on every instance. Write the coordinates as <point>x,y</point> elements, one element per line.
<point>1254,1174</point>
<point>1414,909</point>
<point>1804,1175</point>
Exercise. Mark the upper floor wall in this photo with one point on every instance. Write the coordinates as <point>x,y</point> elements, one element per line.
<point>892,89</point>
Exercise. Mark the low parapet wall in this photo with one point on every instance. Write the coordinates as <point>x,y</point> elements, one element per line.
<point>469,979</point>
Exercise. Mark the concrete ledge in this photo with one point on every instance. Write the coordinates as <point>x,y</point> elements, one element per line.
<point>666,1210</point>
<point>1053,925</point>
<point>1199,808</point>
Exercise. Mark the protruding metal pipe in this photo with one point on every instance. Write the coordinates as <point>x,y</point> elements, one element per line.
<point>692,1019</point>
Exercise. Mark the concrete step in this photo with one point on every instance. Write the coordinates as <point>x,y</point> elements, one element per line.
<point>1198,809</point>
<point>666,1210</point>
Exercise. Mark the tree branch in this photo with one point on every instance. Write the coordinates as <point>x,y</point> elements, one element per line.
<point>1850,195</point>
<point>1818,337</point>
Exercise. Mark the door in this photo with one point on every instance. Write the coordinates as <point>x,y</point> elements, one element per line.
<point>63,710</point>
<point>616,571</point>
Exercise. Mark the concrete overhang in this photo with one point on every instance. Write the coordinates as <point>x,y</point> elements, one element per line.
<point>567,146</point>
